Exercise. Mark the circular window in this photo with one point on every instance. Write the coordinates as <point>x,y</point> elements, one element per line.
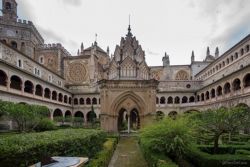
<point>188,86</point>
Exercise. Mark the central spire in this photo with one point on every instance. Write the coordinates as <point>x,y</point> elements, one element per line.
<point>129,29</point>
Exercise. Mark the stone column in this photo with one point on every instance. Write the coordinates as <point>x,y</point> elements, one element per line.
<point>128,123</point>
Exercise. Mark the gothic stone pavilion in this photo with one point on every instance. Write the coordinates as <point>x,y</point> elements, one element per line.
<point>121,87</point>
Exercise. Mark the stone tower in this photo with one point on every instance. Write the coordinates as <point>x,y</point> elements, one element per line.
<point>165,60</point>
<point>9,10</point>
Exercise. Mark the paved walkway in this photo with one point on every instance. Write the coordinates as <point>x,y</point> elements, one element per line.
<point>128,154</point>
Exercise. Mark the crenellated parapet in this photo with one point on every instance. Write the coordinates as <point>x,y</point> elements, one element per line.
<point>53,46</point>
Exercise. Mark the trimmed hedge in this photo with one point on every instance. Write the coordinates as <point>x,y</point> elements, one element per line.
<point>243,152</point>
<point>156,160</point>
<point>203,159</point>
<point>27,149</point>
<point>103,157</point>
<point>224,149</point>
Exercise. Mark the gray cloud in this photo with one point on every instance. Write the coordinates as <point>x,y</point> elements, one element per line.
<point>228,19</point>
<point>25,10</point>
<point>50,35</point>
<point>72,2</point>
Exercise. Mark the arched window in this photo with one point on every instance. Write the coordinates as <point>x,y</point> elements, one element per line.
<point>172,114</point>
<point>94,101</point>
<point>247,48</point>
<point>60,97</point>
<point>227,60</point>
<point>75,101</point>
<point>81,101</point>
<point>28,87</point>
<point>15,82</point>
<point>14,44</point>
<point>227,88</point>
<point>41,59</point>
<point>236,55</point>
<point>57,113</point>
<point>39,90</point>
<point>162,100</point>
<point>236,84</point>
<point>177,100</point>
<point>191,99</point>
<point>213,93</point>
<point>202,97</point>
<point>246,80</point>
<point>88,101</point>
<point>3,78</point>
<point>91,116</point>
<point>68,114</point>
<point>182,75</point>
<point>47,93</point>
<point>232,58</point>
<point>184,99</point>
<point>170,100</point>
<point>207,95</point>
<point>54,95</point>
<point>223,64</point>
<point>157,100</point>
<point>79,114</point>
<point>198,98</point>
<point>219,91</point>
<point>242,52</point>
<point>65,99</point>
<point>70,100</point>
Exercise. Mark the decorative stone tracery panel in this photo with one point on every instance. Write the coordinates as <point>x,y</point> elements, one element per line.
<point>77,72</point>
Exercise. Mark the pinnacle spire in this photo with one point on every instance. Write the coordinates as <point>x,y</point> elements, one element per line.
<point>82,47</point>
<point>208,51</point>
<point>217,53</point>
<point>129,29</point>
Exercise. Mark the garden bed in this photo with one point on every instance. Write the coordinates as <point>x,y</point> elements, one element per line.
<point>27,149</point>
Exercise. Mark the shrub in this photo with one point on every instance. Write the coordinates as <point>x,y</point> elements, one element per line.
<point>26,149</point>
<point>103,157</point>
<point>224,149</point>
<point>25,116</point>
<point>202,159</point>
<point>44,125</point>
<point>243,152</point>
<point>168,136</point>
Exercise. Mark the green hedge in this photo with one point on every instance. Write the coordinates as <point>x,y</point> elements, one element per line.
<point>27,149</point>
<point>203,159</point>
<point>224,149</point>
<point>243,152</point>
<point>156,160</point>
<point>103,157</point>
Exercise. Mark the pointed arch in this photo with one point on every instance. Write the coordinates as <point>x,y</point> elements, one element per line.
<point>118,104</point>
<point>182,75</point>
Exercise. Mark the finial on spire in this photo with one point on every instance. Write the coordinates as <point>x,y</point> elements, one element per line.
<point>217,53</point>
<point>95,39</point>
<point>192,56</point>
<point>208,51</point>
<point>129,28</point>
<point>82,47</point>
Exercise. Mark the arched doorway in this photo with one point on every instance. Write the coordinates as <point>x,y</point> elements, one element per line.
<point>128,121</point>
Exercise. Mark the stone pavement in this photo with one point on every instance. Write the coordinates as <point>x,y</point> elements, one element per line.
<point>128,154</point>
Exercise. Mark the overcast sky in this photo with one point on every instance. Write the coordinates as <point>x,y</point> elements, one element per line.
<point>173,26</point>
